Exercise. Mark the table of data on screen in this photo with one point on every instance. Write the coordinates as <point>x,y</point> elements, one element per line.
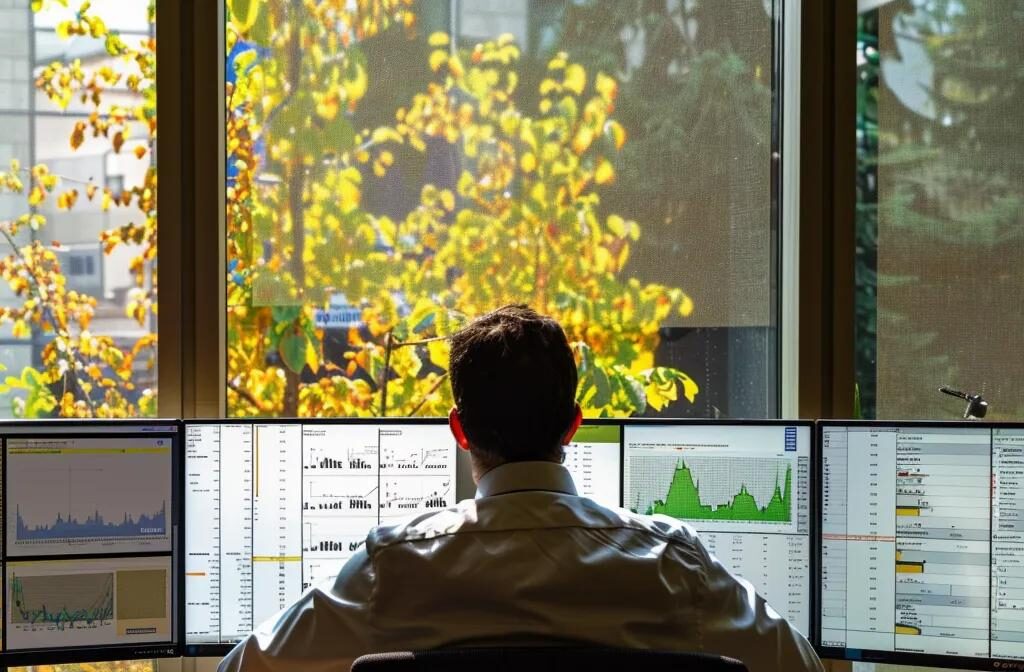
<point>281,507</point>
<point>923,540</point>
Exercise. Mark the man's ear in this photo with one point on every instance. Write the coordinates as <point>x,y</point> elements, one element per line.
<point>455,424</point>
<point>576,422</point>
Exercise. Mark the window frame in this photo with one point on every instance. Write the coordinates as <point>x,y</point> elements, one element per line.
<point>827,201</point>
<point>192,246</point>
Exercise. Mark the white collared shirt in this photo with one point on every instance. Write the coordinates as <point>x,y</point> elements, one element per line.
<point>528,561</point>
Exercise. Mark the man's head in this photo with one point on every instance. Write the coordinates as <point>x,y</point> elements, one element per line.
<point>514,380</point>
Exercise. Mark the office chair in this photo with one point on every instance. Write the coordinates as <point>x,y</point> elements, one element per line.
<point>543,659</point>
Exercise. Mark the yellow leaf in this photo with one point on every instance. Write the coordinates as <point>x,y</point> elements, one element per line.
<point>312,356</point>
<point>686,306</point>
<point>437,59</point>
<point>455,67</point>
<point>20,329</point>
<point>655,398</point>
<point>604,173</point>
<point>690,389</point>
<point>575,78</point>
<point>140,151</point>
<point>582,141</point>
<point>78,135</point>
<point>617,133</point>
<point>448,200</point>
<point>439,352</point>
<point>385,134</point>
<point>356,88</point>
<point>36,196</point>
<point>547,86</point>
<point>438,39</point>
<point>606,86</point>
<point>528,162</point>
<point>617,225</point>
<point>349,195</point>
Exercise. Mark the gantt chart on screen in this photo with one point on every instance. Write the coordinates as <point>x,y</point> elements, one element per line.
<point>746,489</point>
<point>923,540</point>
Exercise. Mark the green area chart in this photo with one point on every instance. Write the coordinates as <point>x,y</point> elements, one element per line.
<point>683,501</point>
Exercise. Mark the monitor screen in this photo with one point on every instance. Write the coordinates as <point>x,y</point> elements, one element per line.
<point>745,488</point>
<point>276,507</point>
<point>922,554</point>
<point>90,519</point>
<point>594,458</point>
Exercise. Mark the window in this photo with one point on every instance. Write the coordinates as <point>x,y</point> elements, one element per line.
<point>120,666</point>
<point>396,168</point>
<point>77,208</point>
<point>940,218</point>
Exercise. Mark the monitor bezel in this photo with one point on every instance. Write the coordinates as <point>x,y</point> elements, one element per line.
<point>104,428</point>
<point>222,649</point>
<point>902,657</point>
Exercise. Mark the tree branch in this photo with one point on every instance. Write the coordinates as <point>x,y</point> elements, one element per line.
<point>48,314</point>
<point>430,392</point>
<point>247,395</point>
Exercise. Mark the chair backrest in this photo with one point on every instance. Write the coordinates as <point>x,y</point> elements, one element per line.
<point>543,659</point>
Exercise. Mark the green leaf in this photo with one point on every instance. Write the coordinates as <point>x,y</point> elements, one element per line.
<point>285,313</point>
<point>633,390</point>
<point>603,388</point>
<point>292,349</point>
<point>261,31</point>
<point>243,14</point>
<point>338,135</point>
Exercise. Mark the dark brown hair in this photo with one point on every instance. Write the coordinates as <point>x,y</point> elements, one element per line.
<point>514,380</point>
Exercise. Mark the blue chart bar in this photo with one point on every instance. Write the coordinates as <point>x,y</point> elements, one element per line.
<point>95,526</point>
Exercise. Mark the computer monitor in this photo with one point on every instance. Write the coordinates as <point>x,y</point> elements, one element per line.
<point>922,551</point>
<point>274,507</point>
<point>91,524</point>
<point>746,489</point>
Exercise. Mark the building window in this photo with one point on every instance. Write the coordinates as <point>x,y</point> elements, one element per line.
<point>77,104</point>
<point>940,217</point>
<point>397,168</point>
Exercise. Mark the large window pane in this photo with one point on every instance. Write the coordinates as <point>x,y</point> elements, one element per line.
<point>941,206</point>
<point>397,167</point>
<point>77,208</point>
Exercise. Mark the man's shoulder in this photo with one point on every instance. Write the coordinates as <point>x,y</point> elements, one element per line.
<point>548,512</point>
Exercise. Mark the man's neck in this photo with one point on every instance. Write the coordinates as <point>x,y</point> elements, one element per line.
<point>481,465</point>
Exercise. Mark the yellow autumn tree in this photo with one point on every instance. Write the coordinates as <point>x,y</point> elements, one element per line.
<point>522,225</point>
<point>83,373</point>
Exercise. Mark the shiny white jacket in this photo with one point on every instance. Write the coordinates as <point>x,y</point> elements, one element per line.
<point>528,561</point>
